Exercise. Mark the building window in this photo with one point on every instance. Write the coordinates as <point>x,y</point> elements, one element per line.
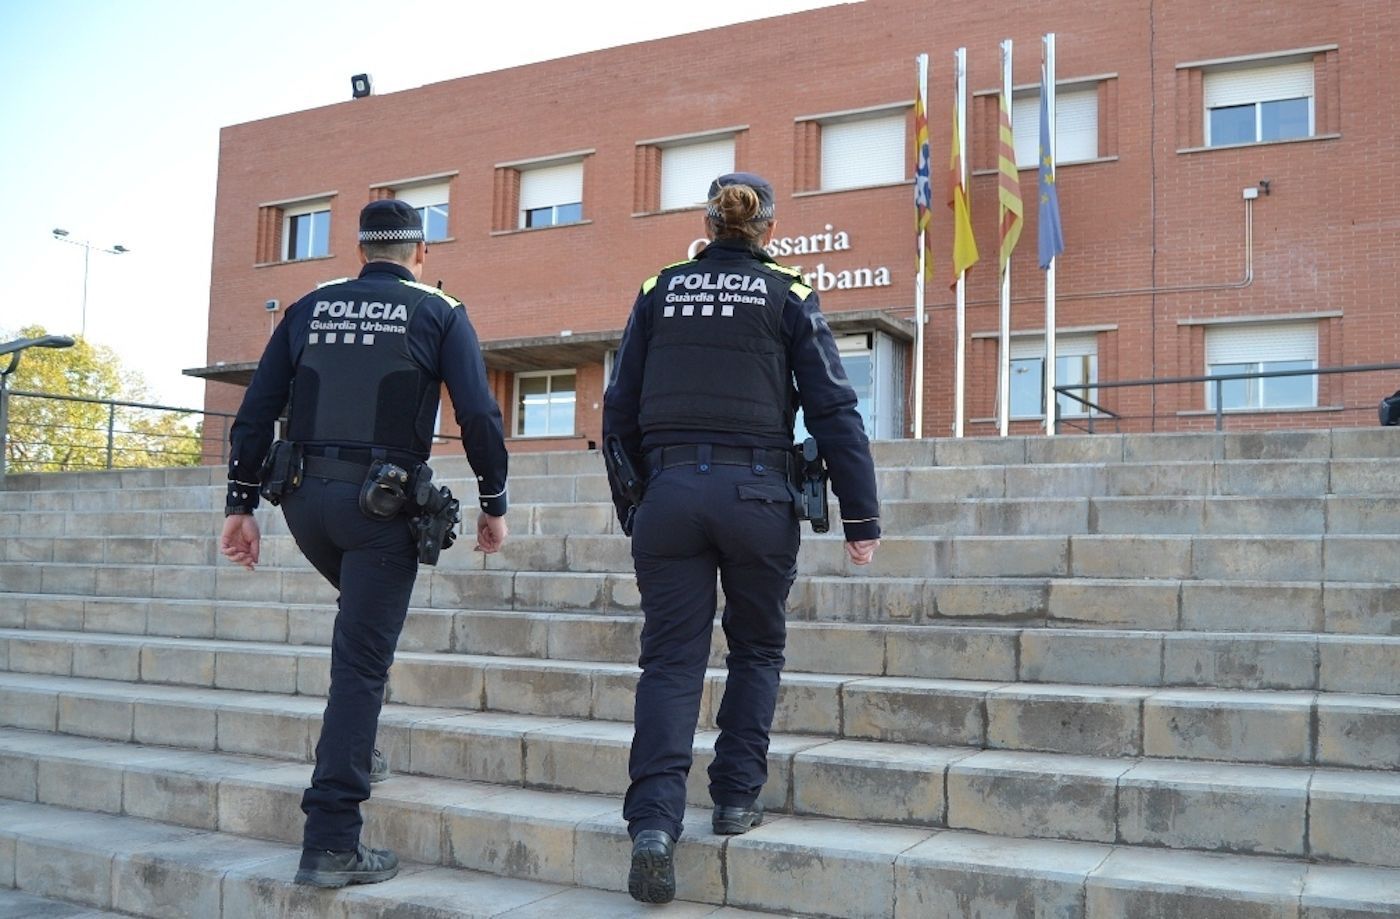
<point>1258,347</point>
<point>874,365</point>
<point>430,201</point>
<point>864,151</point>
<point>688,169</point>
<point>551,195</point>
<point>1076,364</point>
<point>544,403</point>
<point>1076,125</point>
<point>306,231</point>
<point>1258,104</point>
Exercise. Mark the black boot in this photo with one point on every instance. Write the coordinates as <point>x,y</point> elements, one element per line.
<point>326,868</point>
<point>653,875</point>
<point>731,821</point>
<point>378,767</point>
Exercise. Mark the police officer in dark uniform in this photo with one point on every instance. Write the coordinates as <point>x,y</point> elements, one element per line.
<point>363,361</point>
<point>718,354</point>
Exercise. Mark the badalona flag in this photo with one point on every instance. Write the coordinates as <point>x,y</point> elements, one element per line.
<point>1008,188</point>
<point>964,244</point>
<point>923,193</point>
<point>1050,240</point>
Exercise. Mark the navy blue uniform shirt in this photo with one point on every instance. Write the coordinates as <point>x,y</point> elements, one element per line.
<point>827,398</point>
<point>441,341</point>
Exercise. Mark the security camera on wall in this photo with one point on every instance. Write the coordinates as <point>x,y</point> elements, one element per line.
<point>272,306</point>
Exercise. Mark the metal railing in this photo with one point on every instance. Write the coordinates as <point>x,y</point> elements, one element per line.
<point>127,435</point>
<point>1216,381</point>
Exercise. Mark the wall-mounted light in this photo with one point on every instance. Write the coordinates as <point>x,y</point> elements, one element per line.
<point>361,85</point>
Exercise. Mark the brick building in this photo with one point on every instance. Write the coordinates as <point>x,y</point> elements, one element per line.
<point>553,189</point>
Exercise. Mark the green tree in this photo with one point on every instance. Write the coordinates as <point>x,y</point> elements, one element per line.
<point>49,434</point>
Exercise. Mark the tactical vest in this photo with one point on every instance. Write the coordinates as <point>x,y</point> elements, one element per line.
<point>356,381</point>
<point>716,360</point>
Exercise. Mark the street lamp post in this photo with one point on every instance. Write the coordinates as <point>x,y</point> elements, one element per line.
<point>62,236</point>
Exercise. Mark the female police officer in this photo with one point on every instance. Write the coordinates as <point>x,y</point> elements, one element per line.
<point>703,396</point>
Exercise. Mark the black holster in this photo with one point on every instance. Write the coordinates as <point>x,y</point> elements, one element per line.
<point>623,473</point>
<point>810,481</point>
<point>281,471</point>
<point>438,515</point>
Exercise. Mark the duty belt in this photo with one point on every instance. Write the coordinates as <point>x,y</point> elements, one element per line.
<point>323,467</point>
<point>757,458</point>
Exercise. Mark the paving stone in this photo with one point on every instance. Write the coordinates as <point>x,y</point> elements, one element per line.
<point>270,733</point>
<point>995,600</point>
<point>483,747</point>
<point>186,665</point>
<point>107,662</point>
<point>1251,606</point>
<point>1100,721</point>
<point>860,780</point>
<point>93,716</point>
<point>968,874</point>
<point>1181,479</point>
<point>1033,794</point>
<point>1270,477</point>
<point>425,680</point>
<point>541,688</point>
<point>1138,883</point>
<point>58,613</point>
<point>180,619</point>
<point>182,878</point>
<point>1355,817</point>
<point>1273,728</point>
<point>179,787</point>
<point>1359,731</point>
<point>1256,809</point>
<point>41,655</point>
<point>1362,514</point>
<point>1276,445</point>
<point>541,845</point>
<point>1264,516</point>
<point>1115,603</point>
<point>587,756</point>
<point>548,591</point>
<point>1146,516</point>
<point>1257,558</point>
<point>1346,892</point>
<point>190,724</point>
<point>1008,556</point>
<point>263,670</point>
<point>1240,661</point>
<point>31,708</point>
<point>265,804</point>
<point>961,653</point>
<point>1101,658</point>
<point>917,711</point>
<point>1161,557</point>
<point>1359,664</point>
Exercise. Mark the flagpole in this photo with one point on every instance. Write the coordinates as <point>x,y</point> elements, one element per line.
<point>922,65</point>
<point>1051,398</point>
<point>960,351</point>
<point>1004,324</point>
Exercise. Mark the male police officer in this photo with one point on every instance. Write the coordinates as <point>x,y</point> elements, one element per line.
<point>703,393</point>
<point>363,361</point>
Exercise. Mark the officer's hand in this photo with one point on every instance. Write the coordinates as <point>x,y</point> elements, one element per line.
<point>490,532</point>
<point>862,550</point>
<point>241,540</point>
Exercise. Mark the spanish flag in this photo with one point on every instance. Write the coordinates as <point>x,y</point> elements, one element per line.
<point>1008,187</point>
<point>964,244</point>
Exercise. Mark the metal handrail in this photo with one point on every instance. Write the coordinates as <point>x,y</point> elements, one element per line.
<point>1216,379</point>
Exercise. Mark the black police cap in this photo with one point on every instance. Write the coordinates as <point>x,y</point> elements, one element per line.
<point>390,221</point>
<point>757,182</point>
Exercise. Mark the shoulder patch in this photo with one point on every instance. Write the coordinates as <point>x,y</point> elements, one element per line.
<point>451,300</point>
<point>334,281</point>
<point>648,284</point>
<point>784,269</point>
<point>802,290</point>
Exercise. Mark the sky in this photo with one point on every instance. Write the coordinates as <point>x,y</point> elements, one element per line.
<point>110,113</point>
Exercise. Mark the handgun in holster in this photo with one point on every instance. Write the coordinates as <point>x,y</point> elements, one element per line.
<point>810,482</point>
<point>624,475</point>
<point>281,471</point>
<point>437,517</point>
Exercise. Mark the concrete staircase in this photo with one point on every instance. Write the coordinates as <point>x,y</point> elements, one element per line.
<point>1131,676</point>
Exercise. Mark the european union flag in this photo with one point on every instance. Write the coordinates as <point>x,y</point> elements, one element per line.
<point>1050,238</point>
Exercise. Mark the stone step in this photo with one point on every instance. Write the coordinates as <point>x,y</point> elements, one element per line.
<point>1224,660</point>
<point>161,870</point>
<point>1265,515</point>
<point>1241,726</point>
<point>16,904</point>
<point>185,599</point>
<point>807,865</point>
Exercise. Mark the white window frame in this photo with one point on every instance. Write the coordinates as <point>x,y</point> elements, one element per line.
<point>1274,343</point>
<point>1026,347</point>
<point>715,162</point>
<point>1257,84</point>
<point>428,196</point>
<point>850,171</point>
<point>1076,124</point>
<point>302,209</point>
<point>553,171</point>
<point>519,425</point>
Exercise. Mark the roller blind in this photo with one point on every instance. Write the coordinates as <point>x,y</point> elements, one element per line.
<point>546,186</point>
<point>1265,341</point>
<point>1258,84</point>
<point>423,195</point>
<point>1076,126</point>
<point>687,171</point>
<point>868,151</point>
<point>1023,346</point>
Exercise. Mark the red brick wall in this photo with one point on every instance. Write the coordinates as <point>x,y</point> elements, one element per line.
<point>1151,217</point>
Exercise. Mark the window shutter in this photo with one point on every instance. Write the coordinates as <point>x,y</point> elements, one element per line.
<point>687,171</point>
<point>546,186</point>
<point>420,196</point>
<point>1023,346</point>
<point>1265,341</point>
<point>867,151</point>
<point>1258,84</point>
<point>1076,126</point>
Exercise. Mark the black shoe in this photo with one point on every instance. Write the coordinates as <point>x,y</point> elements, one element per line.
<point>731,821</point>
<point>378,767</point>
<point>653,875</point>
<point>325,868</point>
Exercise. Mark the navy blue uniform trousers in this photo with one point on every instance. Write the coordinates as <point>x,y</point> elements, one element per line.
<point>694,521</point>
<point>373,564</point>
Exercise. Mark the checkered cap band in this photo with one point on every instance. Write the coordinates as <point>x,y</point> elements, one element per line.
<point>764,213</point>
<point>391,236</point>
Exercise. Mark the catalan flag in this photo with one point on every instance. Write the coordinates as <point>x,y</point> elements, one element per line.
<point>923,192</point>
<point>1050,238</point>
<point>964,244</point>
<point>1009,187</point>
